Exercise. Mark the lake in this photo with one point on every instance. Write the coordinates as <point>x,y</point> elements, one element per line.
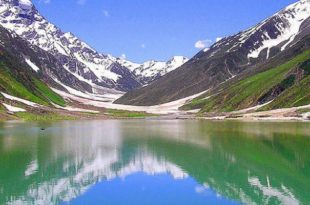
<point>148,162</point>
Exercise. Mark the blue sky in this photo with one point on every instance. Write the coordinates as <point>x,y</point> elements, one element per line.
<point>155,29</point>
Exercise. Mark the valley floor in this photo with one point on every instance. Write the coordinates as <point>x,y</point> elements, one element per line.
<point>171,110</point>
<point>95,107</point>
<point>162,109</point>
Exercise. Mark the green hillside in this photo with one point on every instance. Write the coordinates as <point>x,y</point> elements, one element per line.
<point>287,85</point>
<point>28,88</point>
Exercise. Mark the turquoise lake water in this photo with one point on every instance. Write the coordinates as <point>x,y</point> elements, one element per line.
<point>118,162</point>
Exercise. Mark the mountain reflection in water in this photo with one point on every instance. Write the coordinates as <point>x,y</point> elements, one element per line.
<point>244,162</point>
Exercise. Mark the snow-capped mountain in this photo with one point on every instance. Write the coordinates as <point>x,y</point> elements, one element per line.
<point>75,56</point>
<point>152,70</point>
<point>231,57</point>
<point>270,36</point>
<point>21,17</point>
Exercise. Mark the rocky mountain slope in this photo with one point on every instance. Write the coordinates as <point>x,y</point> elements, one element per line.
<point>19,75</point>
<point>235,57</point>
<point>283,86</point>
<point>98,71</point>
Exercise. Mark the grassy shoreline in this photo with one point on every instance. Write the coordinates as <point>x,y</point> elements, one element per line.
<point>59,116</point>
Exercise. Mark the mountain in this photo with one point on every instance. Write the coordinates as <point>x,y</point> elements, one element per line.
<point>235,57</point>
<point>153,70</point>
<point>74,56</point>
<point>283,86</point>
<point>20,77</point>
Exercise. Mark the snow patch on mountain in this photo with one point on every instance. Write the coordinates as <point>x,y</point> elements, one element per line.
<point>292,18</point>
<point>11,108</point>
<point>108,97</point>
<point>26,102</point>
<point>32,65</point>
<point>99,69</point>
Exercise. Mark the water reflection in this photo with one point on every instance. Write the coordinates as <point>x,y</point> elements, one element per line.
<point>253,163</point>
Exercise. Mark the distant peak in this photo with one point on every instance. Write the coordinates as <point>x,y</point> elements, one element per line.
<point>25,2</point>
<point>178,59</point>
<point>22,3</point>
<point>300,4</point>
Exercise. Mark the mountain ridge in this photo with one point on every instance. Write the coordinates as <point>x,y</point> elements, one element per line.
<point>228,58</point>
<point>78,58</point>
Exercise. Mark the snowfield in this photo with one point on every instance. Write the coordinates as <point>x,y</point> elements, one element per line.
<point>26,102</point>
<point>105,101</point>
<point>107,97</point>
<point>11,108</point>
<point>167,108</point>
<point>73,109</point>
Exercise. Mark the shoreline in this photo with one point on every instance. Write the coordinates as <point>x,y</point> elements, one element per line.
<point>102,116</point>
<point>220,118</point>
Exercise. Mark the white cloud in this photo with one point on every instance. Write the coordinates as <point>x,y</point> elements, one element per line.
<point>203,43</point>
<point>143,45</point>
<point>106,13</point>
<point>218,39</point>
<point>123,56</point>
